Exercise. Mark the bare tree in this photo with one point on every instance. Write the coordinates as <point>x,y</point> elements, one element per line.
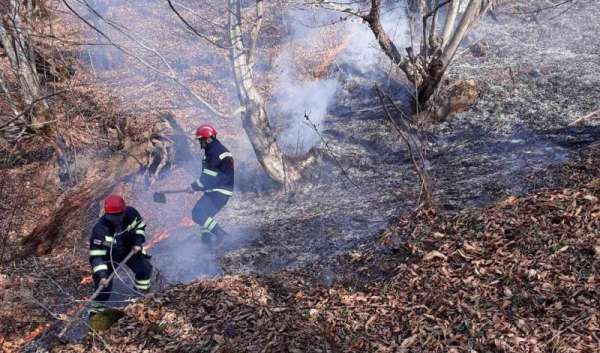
<point>254,113</point>
<point>426,67</point>
<point>15,36</point>
<point>242,52</point>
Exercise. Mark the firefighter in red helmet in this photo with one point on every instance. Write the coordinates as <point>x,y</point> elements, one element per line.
<point>216,181</point>
<point>120,230</point>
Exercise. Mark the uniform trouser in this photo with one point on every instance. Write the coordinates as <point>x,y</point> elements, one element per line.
<point>206,208</point>
<point>139,264</point>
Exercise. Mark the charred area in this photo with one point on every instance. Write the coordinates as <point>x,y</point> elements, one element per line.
<point>381,222</point>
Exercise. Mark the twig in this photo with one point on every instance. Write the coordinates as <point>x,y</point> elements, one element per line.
<point>419,165</point>
<point>326,143</point>
<point>29,108</point>
<point>585,117</point>
<point>582,319</point>
<point>339,164</point>
<point>541,9</point>
<point>194,30</point>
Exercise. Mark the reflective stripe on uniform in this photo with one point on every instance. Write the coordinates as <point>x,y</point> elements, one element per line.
<point>212,225</point>
<point>96,307</point>
<point>131,225</point>
<point>100,268</point>
<point>207,222</point>
<point>97,252</point>
<point>108,239</point>
<point>209,172</point>
<point>199,183</point>
<point>136,224</point>
<point>225,155</point>
<point>222,191</point>
<point>142,284</point>
<point>140,232</point>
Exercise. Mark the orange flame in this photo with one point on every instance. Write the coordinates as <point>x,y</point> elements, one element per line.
<point>86,280</point>
<point>162,235</point>
<point>330,57</point>
<point>35,333</point>
<point>187,222</point>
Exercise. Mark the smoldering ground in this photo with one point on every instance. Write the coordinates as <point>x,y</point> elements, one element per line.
<point>473,159</point>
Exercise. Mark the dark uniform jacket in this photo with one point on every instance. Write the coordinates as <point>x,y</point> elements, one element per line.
<point>217,170</point>
<point>105,236</point>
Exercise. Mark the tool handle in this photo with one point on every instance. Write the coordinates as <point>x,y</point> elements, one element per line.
<point>175,191</point>
<point>96,293</point>
<point>100,288</point>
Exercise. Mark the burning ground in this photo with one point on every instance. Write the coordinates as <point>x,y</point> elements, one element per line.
<point>306,269</point>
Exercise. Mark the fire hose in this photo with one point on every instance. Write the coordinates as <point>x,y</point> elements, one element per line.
<point>93,297</point>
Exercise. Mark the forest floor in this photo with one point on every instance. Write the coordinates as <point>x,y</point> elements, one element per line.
<point>336,266</point>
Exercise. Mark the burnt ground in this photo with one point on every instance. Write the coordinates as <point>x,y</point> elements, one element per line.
<point>537,79</point>
<point>537,75</point>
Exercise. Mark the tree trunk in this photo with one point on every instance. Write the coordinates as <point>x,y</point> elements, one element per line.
<point>100,180</point>
<point>471,15</point>
<point>19,50</point>
<point>431,81</point>
<point>450,21</point>
<point>254,117</point>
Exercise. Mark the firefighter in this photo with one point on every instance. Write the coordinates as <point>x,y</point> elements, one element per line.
<point>217,183</point>
<point>120,231</point>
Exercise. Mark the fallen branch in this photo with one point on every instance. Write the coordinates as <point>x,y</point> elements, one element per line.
<point>585,117</point>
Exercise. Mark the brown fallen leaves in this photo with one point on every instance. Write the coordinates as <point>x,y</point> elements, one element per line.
<point>521,276</point>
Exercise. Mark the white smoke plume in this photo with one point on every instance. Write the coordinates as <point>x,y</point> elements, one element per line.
<point>295,95</point>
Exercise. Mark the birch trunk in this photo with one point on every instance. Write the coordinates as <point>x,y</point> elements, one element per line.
<point>254,116</point>
<point>19,50</point>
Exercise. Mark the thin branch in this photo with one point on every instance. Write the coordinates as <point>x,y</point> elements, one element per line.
<point>194,30</point>
<point>173,78</point>
<point>550,7</point>
<point>437,8</point>
<point>30,107</point>
<point>212,23</point>
<point>585,117</point>
<point>419,164</point>
<point>254,33</point>
<point>9,98</point>
<point>335,6</point>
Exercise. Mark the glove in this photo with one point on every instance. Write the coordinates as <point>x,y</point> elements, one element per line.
<point>194,187</point>
<point>104,282</point>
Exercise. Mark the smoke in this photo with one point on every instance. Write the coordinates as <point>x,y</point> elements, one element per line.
<point>292,100</point>
<point>350,56</point>
<point>345,49</point>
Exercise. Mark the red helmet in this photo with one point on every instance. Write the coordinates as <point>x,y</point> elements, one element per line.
<point>114,204</point>
<point>205,131</point>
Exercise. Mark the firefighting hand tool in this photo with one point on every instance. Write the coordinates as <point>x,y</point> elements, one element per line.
<point>161,196</point>
<point>79,312</point>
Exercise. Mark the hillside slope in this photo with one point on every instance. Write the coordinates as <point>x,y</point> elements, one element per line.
<point>518,276</point>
